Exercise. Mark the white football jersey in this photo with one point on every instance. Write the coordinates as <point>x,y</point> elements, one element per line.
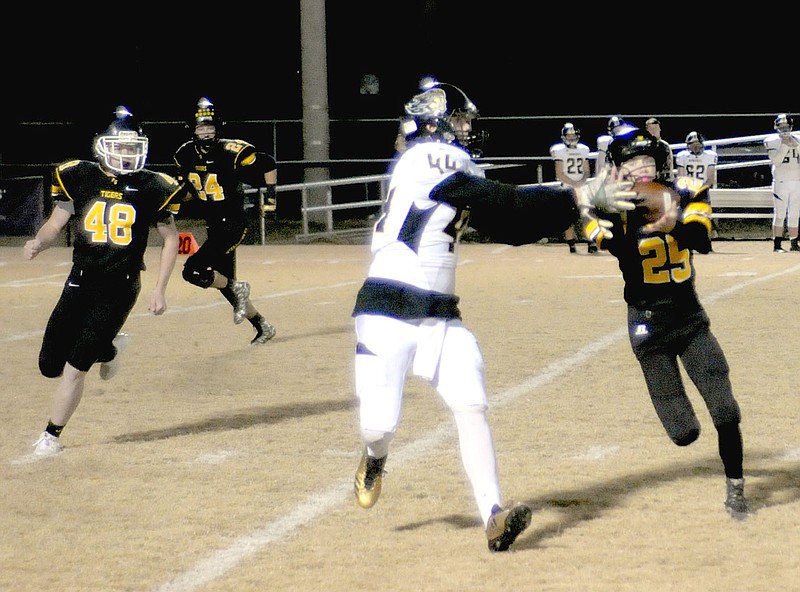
<point>696,165</point>
<point>575,160</point>
<point>414,239</point>
<point>602,151</point>
<point>789,168</point>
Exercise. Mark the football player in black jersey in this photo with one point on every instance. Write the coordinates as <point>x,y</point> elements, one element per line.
<point>115,201</point>
<point>214,170</point>
<point>666,320</point>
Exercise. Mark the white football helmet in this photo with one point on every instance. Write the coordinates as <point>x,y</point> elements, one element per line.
<point>570,135</point>
<point>695,143</point>
<point>784,124</point>
<point>613,123</point>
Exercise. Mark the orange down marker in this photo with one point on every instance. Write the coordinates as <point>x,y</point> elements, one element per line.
<point>187,245</point>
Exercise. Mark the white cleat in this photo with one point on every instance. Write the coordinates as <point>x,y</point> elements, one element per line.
<point>47,445</point>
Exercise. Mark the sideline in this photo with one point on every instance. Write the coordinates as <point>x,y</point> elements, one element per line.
<point>219,562</point>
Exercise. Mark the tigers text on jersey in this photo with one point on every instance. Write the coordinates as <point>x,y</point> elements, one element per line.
<point>216,176</point>
<point>113,213</point>
<point>787,168</point>
<point>575,160</point>
<point>696,165</point>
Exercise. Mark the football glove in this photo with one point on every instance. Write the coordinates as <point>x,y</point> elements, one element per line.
<point>606,195</point>
<point>595,229</point>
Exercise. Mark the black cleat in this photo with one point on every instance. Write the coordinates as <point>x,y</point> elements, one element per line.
<point>506,525</point>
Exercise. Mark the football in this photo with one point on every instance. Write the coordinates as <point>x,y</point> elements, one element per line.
<point>654,199</point>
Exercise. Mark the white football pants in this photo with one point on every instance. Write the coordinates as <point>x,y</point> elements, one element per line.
<point>389,347</point>
<point>787,207</point>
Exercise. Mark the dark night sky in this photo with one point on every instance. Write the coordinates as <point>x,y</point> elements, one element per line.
<point>510,58</point>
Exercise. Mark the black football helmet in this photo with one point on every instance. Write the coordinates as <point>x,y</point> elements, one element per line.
<point>205,123</point>
<point>428,116</point>
<point>633,142</point>
<point>695,142</point>
<point>122,147</point>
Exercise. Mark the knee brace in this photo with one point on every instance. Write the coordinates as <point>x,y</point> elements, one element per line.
<point>197,276</point>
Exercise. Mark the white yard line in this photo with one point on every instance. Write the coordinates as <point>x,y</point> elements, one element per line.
<point>173,309</point>
<point>219,562</point>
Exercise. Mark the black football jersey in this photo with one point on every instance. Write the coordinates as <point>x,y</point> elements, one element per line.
<point>112,214</point>
<point>217,175</point>
<point>658,268</point>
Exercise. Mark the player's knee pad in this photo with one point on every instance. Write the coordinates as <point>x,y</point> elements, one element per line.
<point>198,276</point>
<point>49,370</point>
<point>469,409</point>
<point>686,437</point>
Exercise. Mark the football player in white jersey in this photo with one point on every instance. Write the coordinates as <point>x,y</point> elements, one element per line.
<point>571,160</point>
<point>406,312</point>
<point>697,161</point>
<point>783,150</point>
<point>603,141</point>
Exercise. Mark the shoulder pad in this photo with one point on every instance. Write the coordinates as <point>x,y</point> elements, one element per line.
<point>68,165</point>
<point>168,179</point>
<point>235,146</point>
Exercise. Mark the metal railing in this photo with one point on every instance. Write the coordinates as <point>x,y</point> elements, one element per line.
<point>329,231</point>
<point>306,211</point>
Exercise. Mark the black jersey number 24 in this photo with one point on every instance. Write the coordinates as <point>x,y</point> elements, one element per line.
<point>208,190</point>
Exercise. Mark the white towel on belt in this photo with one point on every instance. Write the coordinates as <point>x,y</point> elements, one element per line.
<point>429,347</point>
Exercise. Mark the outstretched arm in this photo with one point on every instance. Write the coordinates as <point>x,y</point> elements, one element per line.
<point>507,213</point>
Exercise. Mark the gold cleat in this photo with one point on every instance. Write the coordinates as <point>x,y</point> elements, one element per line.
<point>506,525</point>
<point>369,476</point>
